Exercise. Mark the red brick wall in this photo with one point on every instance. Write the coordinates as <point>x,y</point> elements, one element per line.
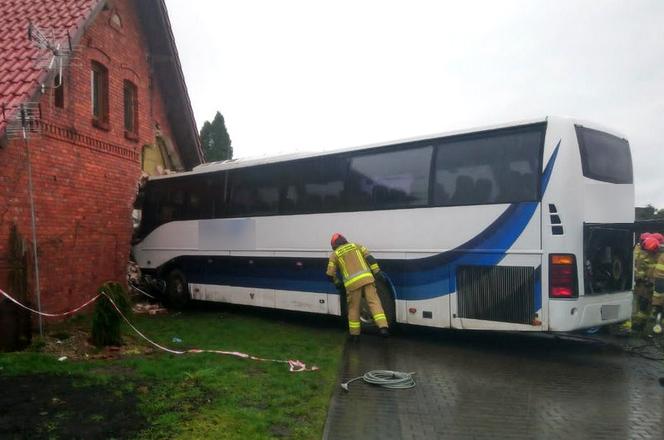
<point>84,177</point>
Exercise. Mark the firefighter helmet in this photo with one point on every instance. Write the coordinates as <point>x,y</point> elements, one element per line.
<point>337,240</point>
<point>650,244</point>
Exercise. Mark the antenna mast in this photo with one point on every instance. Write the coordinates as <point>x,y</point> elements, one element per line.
<point>58,50</point>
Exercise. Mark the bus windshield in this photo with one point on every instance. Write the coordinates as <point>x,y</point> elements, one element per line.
<point>604,157</point>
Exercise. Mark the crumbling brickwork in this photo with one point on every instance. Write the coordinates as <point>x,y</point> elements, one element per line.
<point>85,177</point>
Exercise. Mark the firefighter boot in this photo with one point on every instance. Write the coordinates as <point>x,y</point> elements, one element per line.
<point>624,329</point>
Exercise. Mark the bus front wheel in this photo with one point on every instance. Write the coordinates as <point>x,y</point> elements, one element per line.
<point>177,289</point>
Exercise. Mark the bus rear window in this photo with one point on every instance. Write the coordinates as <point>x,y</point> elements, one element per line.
<point>604,157</point>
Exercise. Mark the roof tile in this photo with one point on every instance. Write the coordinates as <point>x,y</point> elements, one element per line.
<point>20,59</point>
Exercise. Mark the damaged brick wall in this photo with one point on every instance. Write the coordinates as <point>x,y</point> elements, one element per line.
<point>85,177</point>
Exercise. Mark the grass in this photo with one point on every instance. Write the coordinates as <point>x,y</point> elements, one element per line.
<point>209,395</point>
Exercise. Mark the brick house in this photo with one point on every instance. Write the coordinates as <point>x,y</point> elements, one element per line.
<point>119,107</point>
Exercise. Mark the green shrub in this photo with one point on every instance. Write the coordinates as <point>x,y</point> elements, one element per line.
<point>106,321</point>
<point>37,344</point>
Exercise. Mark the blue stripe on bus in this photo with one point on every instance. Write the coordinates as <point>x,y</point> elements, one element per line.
<point>546,175</point>
<point>430,277</point>
<point>414,279</point>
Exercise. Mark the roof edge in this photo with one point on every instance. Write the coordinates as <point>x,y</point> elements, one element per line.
<point>181,80</point>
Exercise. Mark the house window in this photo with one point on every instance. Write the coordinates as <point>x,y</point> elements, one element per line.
<point>130,109</point>
<point>99,95</point>
<point>58,92</point>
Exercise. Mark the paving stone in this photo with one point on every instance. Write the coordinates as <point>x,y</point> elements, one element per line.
<point>498,386</point>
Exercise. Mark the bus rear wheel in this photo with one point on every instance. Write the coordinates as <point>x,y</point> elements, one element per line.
<point>177,289</point>
<point>366,318</point>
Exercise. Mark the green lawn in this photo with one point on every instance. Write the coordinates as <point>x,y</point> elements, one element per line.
<point>208,395</point>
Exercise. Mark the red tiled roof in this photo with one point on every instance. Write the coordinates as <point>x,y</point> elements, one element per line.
<point>22,62</point>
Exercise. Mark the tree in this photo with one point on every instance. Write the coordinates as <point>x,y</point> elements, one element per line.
<point>215,140</point>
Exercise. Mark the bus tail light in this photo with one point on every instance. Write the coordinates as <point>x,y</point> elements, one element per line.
<point>563,280</point>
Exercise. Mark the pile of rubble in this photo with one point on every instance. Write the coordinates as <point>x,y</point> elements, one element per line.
<point>149,309</point>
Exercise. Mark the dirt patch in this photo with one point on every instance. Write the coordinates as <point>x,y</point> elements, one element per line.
<point>75,345</point>
<point>280,431</point>
<point>56,407</point>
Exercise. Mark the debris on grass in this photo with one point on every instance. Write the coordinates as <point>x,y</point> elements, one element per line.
<point>79,347</point>
<point>149,309</point>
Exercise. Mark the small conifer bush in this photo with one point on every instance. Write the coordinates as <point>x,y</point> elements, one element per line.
<point>106,320</point>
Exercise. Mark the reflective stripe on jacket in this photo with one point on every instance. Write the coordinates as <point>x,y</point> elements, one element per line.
<point>644,264</point>
<point>658,275</point>
<point>351,261</point>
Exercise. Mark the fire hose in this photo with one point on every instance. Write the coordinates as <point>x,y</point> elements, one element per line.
<point>395,380</point>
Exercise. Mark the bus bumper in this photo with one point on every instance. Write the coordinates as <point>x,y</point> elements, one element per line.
<point>589,311</point>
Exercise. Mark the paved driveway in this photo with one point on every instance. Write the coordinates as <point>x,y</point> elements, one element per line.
<point>498,386</point>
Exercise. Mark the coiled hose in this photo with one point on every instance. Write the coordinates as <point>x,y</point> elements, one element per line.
<point>396,380</point>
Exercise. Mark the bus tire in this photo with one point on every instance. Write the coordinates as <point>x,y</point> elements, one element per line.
<point>177,289</point>
<point>387,302</point>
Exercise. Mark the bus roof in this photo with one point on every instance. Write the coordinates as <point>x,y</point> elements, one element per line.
<point>253,161</point>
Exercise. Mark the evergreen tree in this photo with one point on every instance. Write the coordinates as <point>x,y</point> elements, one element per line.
<point>106,322</point>
<point>215,140</point>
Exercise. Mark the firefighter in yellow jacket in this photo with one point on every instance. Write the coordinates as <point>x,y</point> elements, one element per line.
<point>645,257</point>
<point>658,292</point>
<point>358,269</point>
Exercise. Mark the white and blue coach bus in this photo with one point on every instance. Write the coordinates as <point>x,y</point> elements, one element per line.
<point>525,226</point>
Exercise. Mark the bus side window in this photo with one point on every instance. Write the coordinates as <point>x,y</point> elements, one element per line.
<point>464,190</point>
<point>290,200</point>
<point>492,168</point>
<point>317,185</point>
<point>254,191</point>
<point>199,197</point>
<point>483,188</point>
<point>178,204</point>
<point>239,200</point>
<point>219,196</point>
<point>149,207</point>
<point>440,195</point>
<point>390,179</point>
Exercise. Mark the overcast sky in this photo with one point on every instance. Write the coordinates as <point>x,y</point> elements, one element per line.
<point>310,75</point>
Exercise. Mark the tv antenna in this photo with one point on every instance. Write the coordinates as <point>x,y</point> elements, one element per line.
<point>22,119</point>
<point>58,46</point>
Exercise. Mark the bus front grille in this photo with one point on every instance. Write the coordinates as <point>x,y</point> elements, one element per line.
<point>496,293</point>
